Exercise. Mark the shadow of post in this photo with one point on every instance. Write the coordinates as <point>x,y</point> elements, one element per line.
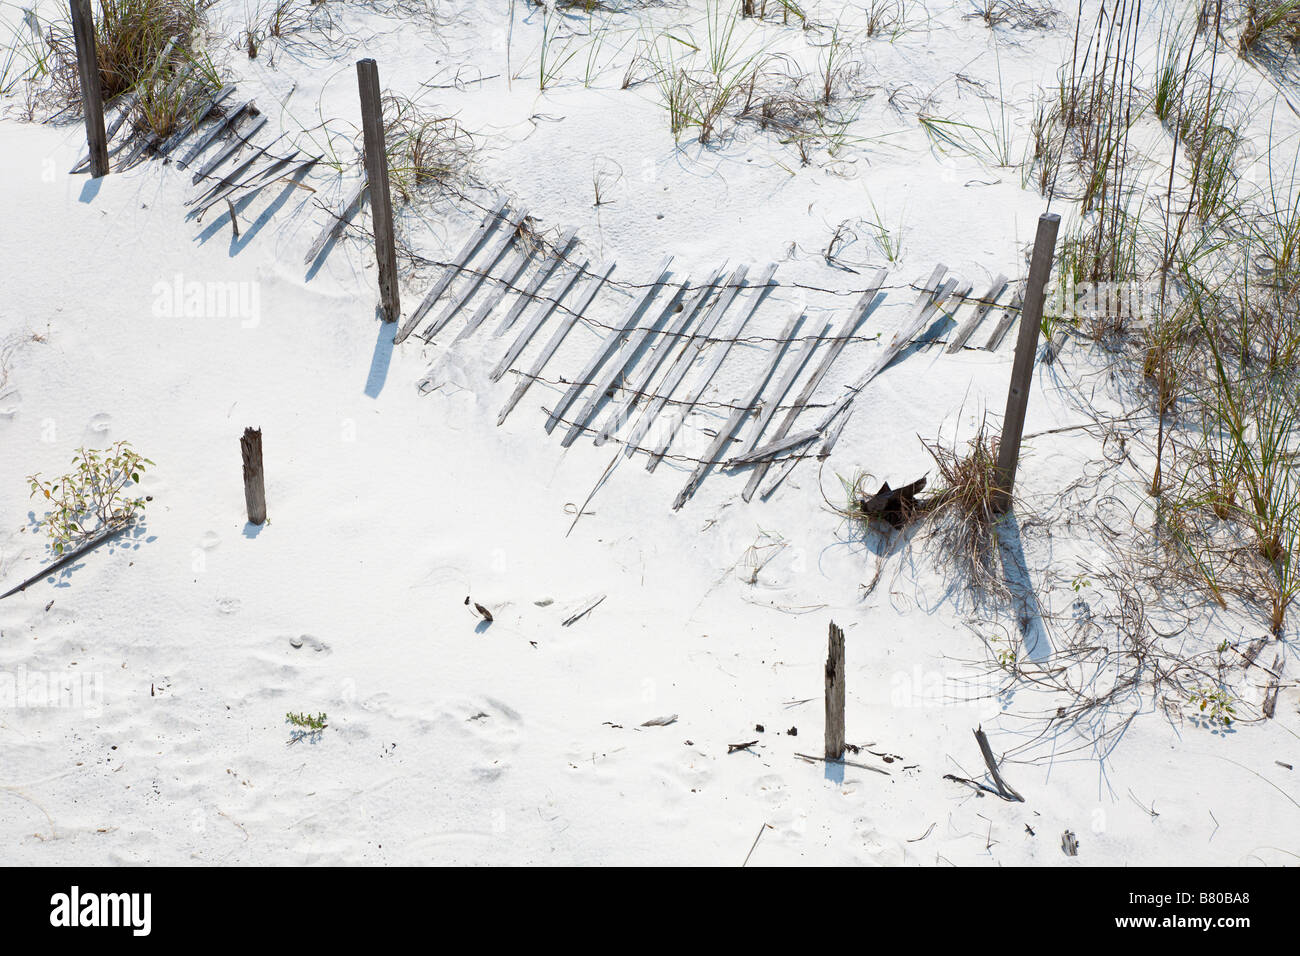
<point>1033,630</point>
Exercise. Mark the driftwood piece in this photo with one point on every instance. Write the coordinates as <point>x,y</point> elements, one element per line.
<point>68,558</point>
<point>579,615</point>
<point>892,505</point>
<point>1004,791</point>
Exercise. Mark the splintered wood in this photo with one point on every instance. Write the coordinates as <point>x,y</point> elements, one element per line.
<point>835,694</point>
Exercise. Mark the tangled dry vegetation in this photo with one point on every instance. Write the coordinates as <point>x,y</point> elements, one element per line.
<point>152,61</point>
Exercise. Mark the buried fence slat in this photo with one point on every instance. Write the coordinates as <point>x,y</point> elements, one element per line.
<point>739,413</point>
<point>265,175</point>
<point>922,314</point>
<point>334,228</point>
<point>197,117</point>
<point>475,276</point>
<point>545,270</point>
<point>607,346</point>
<point>450,271</point>
<point>1022,369</point>
<point>671,334</point>
<point>630,350</point>
<point>774,448</point>
<point>237,142</point>
<point>835,694</point>
<point>832,352</point>
<point>123,103</point>
<point>568,279</point>
<point>952,289</point>
<point>771,408</point>
<point>720,350</point>
<point>250,446</point>
<point>262,177</point>
<point>686,358</point>
<point>375,155</point>
<point>523,257</point>
<point>966,329</point>
<point>229,178</point>
<point>1004,323</point>
<point>593,287</point>
<point>217,128</point>
<point>92,98</point>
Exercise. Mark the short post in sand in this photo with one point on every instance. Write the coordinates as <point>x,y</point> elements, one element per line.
<point>1022,370</point>
<point>254,486</point>
<point>835,694</point>
<point>92,94</point>
<point>381,207</point>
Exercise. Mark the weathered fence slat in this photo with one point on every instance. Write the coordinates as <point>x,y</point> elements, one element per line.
<point>720,350</point>
<point>1004,322</point>
<point>475,277</point>
<point>923,312</point>
<point>630,351</point>
<point>334,228</point>
<point>634,311</point>
<point>545,270</point>
<point>830,354</point>
<point>599,275</point>
<point>739,413</point>
<point>451,270</point>
<point>686,358</point>
<point>215,130</point>
<point>237,141</point>
<point>967,328</point>
<point>636,387</point>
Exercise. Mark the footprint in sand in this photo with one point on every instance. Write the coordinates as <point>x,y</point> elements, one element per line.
<point>9,403</point>
<point>209,540</point>
<point>880,848</point>
<point>100,424</point>
<point>228,605</point>
<point>306,642</point>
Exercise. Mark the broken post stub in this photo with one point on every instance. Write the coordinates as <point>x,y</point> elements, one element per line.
<point>254,486</point>
<point>835,694</point>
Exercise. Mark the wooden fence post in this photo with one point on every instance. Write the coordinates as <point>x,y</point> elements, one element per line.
<point>1022,370</point>
<point>92,95</point>
<point>835,694</point>
<point>254,485</point>
<point>381,208</point>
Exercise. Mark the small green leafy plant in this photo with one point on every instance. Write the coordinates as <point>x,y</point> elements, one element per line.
<point>307,721</point>
<point>1215,706</point>
<point>92,498</point>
